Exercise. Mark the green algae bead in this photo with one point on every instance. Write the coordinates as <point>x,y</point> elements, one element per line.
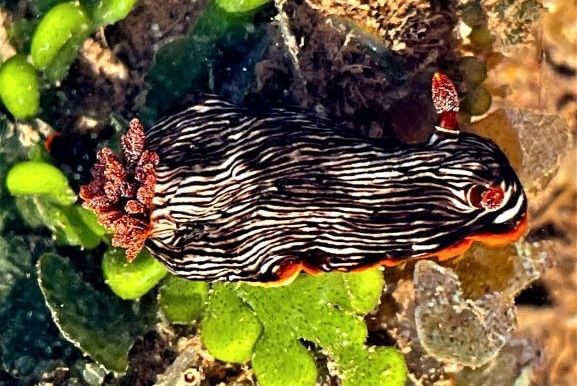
<point>63,24</point>
<point>478,100</point>
<point>40,178</point>
<point>111,11</point>
<point>480,38</point>
<point>473,15</point>
<point>472,70</point>
<point>19,87</point>
<point>130,281</point>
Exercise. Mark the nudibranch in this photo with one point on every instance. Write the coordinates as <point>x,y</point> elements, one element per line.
<point>251,196</point>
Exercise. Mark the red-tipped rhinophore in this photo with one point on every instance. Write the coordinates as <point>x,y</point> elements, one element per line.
<point>446,101</point>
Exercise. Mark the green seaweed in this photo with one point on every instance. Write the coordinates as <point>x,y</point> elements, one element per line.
<point>240,6</point>
<point>325,310</point>
<point>110,11</point>
<point>31,343</point>
<point>40,178</point>
<point>30,340</point>
<point>58,37</point>
<point>99,323</point>
<point>44,198</point>
<point>131,280</point>
<point>229,326</point>
<point>70,225</point>
<point>283,360</point>
<point>182,301</point>
<point>51,44</point>
<point>64,28</point>
<point>19,87</point>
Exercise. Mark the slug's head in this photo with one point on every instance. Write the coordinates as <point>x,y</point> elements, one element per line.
<point>483,183</point>
<point>491,190</point>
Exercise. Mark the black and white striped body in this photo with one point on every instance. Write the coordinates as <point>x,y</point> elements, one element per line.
<point>240,194</point>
